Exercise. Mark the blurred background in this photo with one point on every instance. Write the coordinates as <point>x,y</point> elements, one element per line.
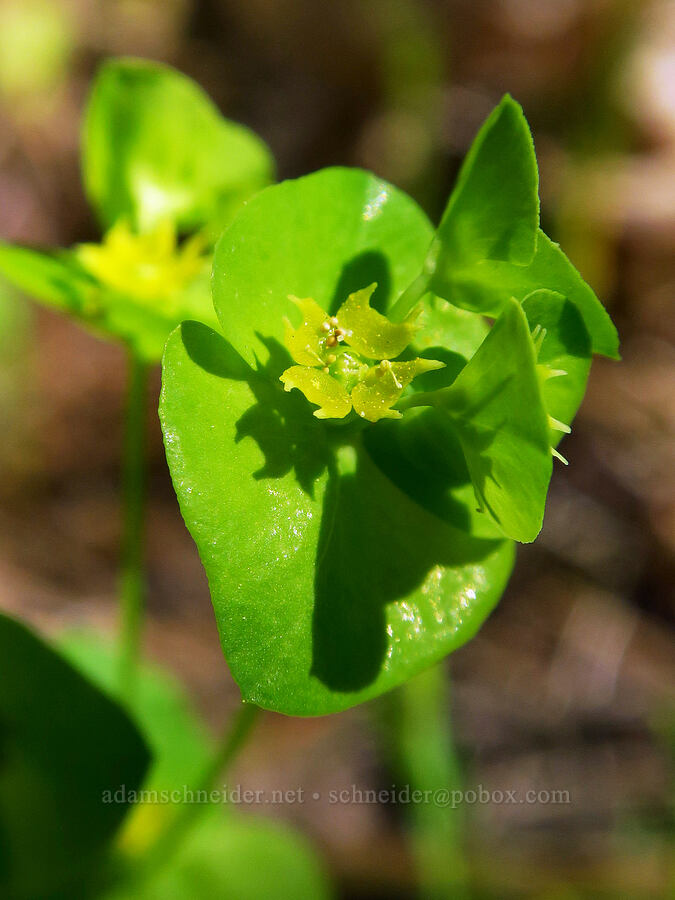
<point>570,684</point>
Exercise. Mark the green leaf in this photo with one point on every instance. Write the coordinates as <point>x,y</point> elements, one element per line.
<point>330,584</point>
<point>565,348</point>
<point>235,858</point>
<point>496,407</point>
<point>180,743</point>
<point>155,147</point>
<point>486,286</point>
<point>224,855</point>
<point>323,236</point>
<point>493,211</point>
<point>55,278</point>
<point>63,744</point>
<point>59,281</point>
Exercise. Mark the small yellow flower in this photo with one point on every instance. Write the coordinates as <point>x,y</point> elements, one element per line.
<point>150,267</point>
<point>334,356</point>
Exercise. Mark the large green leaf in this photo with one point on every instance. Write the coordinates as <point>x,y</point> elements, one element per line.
<point>59,281</point>
<point>329,583</point>
<point>496,407</point>
<point>63,745</point>
<point>486,286</point>
<point>493,211</point>
<point>155,147</point>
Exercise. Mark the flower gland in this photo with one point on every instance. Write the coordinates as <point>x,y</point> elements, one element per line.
<point>150,266</point>
<point>344,362</point>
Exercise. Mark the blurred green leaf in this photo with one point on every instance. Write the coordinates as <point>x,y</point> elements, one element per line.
<point>60,281</point>
<point>155,147</point>
<point>235,858</point>
<point>63,745</point>
<point>180,743</point>
<point>493,211</point>
<point>55,278</point>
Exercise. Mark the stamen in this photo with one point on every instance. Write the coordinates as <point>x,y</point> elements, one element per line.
<point>312,352</point>
<point>559,456</point>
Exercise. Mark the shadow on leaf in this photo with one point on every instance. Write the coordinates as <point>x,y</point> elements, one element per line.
<point>281,423</point>
<point>377,546</point>
<point>366,268</point>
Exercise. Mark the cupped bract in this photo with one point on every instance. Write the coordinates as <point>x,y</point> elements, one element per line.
<point>330,580</point>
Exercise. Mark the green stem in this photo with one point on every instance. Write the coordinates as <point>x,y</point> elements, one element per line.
<point>428,759</point>
<point>409,298</point>
<point>132,583</point>
<point>233,739</point>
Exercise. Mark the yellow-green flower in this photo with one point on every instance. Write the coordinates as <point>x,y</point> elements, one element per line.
<point>150,266</point>
<point>344,361</point>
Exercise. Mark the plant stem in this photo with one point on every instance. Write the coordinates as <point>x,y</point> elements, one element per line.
<point>410,296</point>
<point>428,759</point>
<point>233,739</point>
<point>132,582</point>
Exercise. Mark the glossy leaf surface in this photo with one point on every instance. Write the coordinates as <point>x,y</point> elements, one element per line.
<point>63,743</point>
<point>330,585</point>
<point>323,236</point>
<point>155,147</point>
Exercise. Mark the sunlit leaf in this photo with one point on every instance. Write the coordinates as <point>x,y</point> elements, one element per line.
<point>495,404</point>
<point>485,287</point>
<point>329,583</point>
<point>493,211</point>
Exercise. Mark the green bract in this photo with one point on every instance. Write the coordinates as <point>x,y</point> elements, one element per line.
<point>347,552</point>
<point>157,160</point>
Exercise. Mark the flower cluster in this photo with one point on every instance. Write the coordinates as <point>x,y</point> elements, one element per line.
<point>344,361</point>
<point>148,266</point>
